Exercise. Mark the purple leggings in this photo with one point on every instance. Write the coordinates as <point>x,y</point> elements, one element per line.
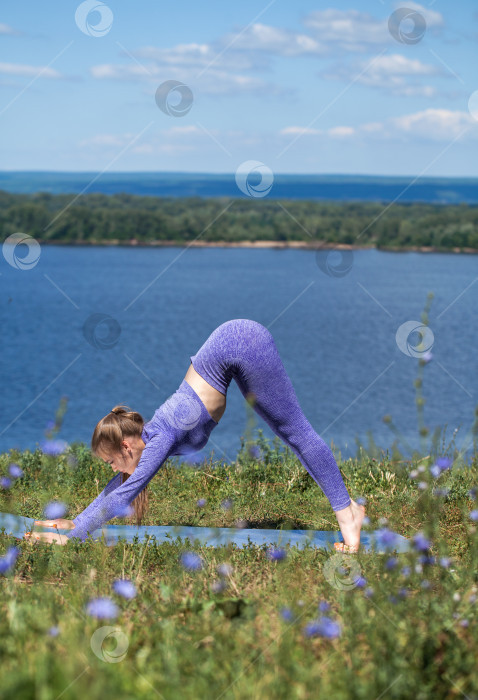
<point>244,350</point>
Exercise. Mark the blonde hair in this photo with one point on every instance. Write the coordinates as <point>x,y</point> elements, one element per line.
<point>108,435</point>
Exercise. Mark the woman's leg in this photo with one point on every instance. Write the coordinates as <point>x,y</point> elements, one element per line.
<point>261,377</point>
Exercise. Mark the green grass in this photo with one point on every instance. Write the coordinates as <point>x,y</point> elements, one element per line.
<point>181,639</point>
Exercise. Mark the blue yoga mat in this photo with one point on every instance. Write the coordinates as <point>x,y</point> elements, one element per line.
<point>18,525</point>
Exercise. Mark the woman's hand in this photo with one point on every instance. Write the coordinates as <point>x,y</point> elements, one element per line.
<point>46,537</point>
<point>59,522</point>
<point>51,536</point>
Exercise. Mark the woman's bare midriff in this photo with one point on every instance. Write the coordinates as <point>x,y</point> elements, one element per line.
<point>214,401</point>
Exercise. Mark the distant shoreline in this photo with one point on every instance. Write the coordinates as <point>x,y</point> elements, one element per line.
<point>297,245</point>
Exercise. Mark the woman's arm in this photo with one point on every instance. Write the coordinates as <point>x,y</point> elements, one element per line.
<point>155,453</point>
<point>110,486</point>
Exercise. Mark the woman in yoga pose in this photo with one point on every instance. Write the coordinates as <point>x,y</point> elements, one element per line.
<point>240,349</point>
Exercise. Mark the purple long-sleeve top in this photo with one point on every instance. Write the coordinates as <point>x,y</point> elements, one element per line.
<point>181,425</point>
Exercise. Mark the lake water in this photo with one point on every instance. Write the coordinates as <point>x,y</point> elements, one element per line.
<point>336,336</point>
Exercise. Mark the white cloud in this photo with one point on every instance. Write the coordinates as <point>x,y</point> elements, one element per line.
<point>214,81</point>
<point>352,30</point>
<point>391,73</point>
<point>29,71</point>
<point>430,124</point>
<point>281,42</point>
<point>166,143</point>
<point>5,29</point>
<point>293,130</point>
<point>230,64</point>
<point>341,131</point>
<point>349,29</point>
<point>436,124</point>
<point>432,18</point>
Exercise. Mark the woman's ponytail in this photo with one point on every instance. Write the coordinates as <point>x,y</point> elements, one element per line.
<point>108,435</point>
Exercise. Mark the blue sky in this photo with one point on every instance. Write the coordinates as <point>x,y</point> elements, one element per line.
<point>303,87</point>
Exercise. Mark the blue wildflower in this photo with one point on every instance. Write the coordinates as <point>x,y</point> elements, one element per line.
<point>5,482</point>
<point>54,510</point>
<point>53,447</point>
<point>474,514</point>
<point>444,463</point>
<point>324,627</point>
<point>442,492</point>
<point>390,563</point>
<point>226,504</point>
<point>421,542</point>
<point>472,493</point>
<point>368,592</point>
<point>15,471</point>
<point>287,614</point>
<point>324,606</point>
<point>360,581</point>
<point>54,631</point>
<point>445,562</point>
<point>191,561</point>
<point>124,588</point>
<point>435,471</point>
<point>224,570</point>
<point>218,586</point>
<point>464,623</point>
<point>276,554</point>
<point>403,592</point>
<point>406,571</point>
<point>361,501</point>
<point>425,559</point>
<point>254,451</point>
<point>7,562</point>
<point>393,599</point>
<point>201,502</point>
<point>386,538</point>
<point>102,608</point>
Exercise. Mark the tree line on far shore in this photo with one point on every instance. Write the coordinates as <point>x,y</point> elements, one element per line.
<point>122,218</point>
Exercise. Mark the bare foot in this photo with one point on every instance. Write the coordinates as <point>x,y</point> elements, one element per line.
<point>350,521</point>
